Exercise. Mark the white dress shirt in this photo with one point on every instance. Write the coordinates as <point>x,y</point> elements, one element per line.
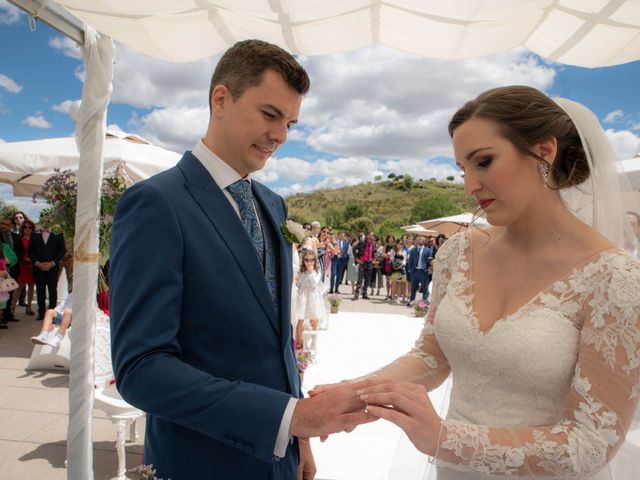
<point>224,176</point>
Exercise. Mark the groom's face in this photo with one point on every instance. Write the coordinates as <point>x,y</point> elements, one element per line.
<point>252,126</point>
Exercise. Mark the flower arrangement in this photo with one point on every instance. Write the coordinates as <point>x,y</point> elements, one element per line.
<point>421,307</point>
<point>334,299</point>
<point>303,359</point>
<point>61,192</point>
<point>143,472</point>
<point>293,232</point>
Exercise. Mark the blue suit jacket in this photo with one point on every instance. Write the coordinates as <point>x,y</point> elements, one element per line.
<point>196,341</point>
<point>412,263</point>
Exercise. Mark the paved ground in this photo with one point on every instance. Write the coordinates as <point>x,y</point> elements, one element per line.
<point>34,405</point>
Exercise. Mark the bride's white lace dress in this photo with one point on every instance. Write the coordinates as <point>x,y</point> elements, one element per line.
<point>549,390</point>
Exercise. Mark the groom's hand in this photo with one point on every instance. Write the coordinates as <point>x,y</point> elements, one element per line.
<point>335,410</point>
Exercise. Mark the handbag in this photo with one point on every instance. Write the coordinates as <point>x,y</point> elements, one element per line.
<point>9,255</point>
<point>8,284</point>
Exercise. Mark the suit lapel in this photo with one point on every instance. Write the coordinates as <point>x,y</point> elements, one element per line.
<point>224,219</point>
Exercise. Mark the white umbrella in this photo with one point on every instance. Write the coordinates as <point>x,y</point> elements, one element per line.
<point>452,224</point>
<point>418,229</point>
<point>27,165</point>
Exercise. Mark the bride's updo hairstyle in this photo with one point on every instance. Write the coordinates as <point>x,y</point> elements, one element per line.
<point>526,116</point>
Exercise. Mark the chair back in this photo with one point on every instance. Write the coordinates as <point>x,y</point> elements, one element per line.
<point>103,368</point>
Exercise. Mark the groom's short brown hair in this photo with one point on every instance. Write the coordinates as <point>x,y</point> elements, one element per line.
<point>244,65</point>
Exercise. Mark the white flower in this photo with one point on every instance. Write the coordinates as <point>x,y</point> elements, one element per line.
<point>514,457</point>
<point>296,230</point>
<point>623,290</point>
<point>609,418</point>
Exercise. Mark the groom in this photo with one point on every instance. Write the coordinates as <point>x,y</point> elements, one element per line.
<point>200,294</point>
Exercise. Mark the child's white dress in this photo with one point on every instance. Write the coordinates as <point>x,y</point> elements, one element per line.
<point>310,302</point>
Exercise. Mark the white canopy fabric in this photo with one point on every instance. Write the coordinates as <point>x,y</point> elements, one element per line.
<point>452,224</point>
<point>27,165</point>
<point>418,229</point>
<point>588,33</point>
<point>632,168</point>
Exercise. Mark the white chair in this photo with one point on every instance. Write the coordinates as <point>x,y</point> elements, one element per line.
<point>107,397</point>
<point>46,357</point>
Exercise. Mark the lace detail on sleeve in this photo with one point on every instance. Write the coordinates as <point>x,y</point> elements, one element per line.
<point>601,401</point>
<point>426,363</point>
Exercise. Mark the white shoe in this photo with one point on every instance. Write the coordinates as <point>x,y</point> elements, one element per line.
<point>40,339</point>
<point>54,341</point>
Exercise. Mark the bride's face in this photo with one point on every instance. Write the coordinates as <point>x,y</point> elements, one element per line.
<point>503,181</point>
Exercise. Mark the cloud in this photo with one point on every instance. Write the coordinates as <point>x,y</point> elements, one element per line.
<point>613,116</point>
<point>175,128</point>
<point>24,204</point>
<point>8,84</point>
<point>305,176</point>
<point>2,140</point>
<point>146,82</point>
<point>9,14</point>
<point>625,143</point>
<point>37,121</point>
<point>70,107</point>
<point>68,47</point>
<point>380,102</point>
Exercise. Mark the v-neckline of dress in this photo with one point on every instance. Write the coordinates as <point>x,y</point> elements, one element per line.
<point>467,254</point>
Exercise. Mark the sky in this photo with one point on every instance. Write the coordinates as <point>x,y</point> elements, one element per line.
<point>370,112</point>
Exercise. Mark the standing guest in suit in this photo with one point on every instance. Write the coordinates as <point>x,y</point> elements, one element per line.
<point>418,265</point>
<point>200,314</point>
<point>46,251</point>
<point>365,255</point>
<point>339,262</point>
<point>15,243</point>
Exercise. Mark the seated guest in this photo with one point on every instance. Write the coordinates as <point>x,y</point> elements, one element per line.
<point>56,322</point>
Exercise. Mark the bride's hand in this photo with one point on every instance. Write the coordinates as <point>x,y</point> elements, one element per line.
<point>408,406</point>
<point>318,389</point>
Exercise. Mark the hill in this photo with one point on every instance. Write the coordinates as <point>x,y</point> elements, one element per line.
<point>383,206</point>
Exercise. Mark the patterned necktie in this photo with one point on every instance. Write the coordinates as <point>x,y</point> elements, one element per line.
<point>241,193</point>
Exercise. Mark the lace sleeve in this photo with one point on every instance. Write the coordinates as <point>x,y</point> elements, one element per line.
<point>426,363</point>
<point>600,404</point>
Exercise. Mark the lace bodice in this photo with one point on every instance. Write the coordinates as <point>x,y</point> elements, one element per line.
<point>548,391</point>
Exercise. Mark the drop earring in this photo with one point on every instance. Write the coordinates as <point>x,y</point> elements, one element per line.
<point>544,171</point>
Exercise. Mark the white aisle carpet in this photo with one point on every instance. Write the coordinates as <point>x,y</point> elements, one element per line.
<point>356,344</point>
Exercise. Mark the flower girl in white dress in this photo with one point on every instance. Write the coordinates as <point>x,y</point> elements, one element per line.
<point>309,302</point>
<point>536,318</point>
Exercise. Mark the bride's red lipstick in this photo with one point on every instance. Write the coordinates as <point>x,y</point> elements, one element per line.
<point>485,203</point>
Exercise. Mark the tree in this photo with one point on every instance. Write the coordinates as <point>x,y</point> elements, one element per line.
<point>391,176</point>
<point>353,210</point>
<point>7,209</point>
<point>451,178</point>
<point>408,181</point>
<point>334,217</point>
<point>433,206</point>
<point>355,225</point>
<point>377,178</point>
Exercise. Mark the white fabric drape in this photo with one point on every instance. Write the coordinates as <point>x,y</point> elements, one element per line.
<point>96,93</point>
<point>587,33</point>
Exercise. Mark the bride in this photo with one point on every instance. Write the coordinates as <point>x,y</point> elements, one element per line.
<point>537,317</point>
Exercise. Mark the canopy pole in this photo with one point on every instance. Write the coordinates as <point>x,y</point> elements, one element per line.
<point>90,134</point>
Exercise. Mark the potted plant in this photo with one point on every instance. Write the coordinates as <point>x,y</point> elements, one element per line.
<point>421,308</point>
<point>334,301</point>
<point>61,192</point>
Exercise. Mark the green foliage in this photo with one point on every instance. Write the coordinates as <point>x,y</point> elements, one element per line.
<point>386,205</point>
<point>377,178</point>
<point>361,223</point>
<point>7,209</point>
<point>408,182</point>
<point>334,216</point>
<point>433,206</point>
<point>352,210</point>
<point>451,178</point>
<point>391,176</point>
